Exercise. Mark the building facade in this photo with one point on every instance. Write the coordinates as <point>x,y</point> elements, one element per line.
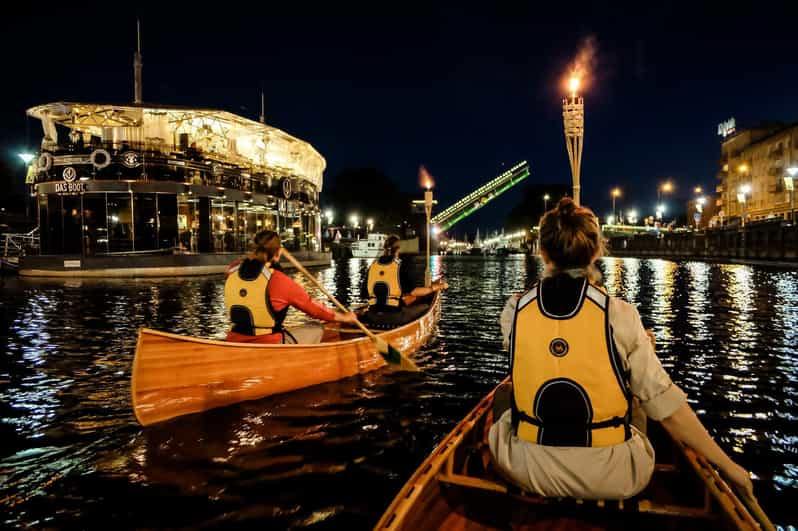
<point>753,166</point>
<point>155,179</point>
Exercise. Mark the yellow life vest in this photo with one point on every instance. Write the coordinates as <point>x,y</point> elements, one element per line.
<point>569,385</point>
<point>246,298</point>
<point>383,284</point>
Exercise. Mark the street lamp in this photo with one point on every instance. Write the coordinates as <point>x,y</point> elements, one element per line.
<point>546,202</point>
<point>353,219</point>
<point>667,186</point>
<point>370,224</point>
<point>573,117</point>
<point>27,158</point>
<point>616,192</point>
<point>699,206</point>
<point>742,198</point>
<point>660,211</point>
<point>329,215</point>
<point>789,184</point>
<point>631,216</point>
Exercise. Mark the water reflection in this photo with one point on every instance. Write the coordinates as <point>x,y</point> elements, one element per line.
<point>335,454</point>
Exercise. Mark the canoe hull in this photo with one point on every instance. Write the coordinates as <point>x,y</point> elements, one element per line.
<point>176,375</point>
<point>456,488</point>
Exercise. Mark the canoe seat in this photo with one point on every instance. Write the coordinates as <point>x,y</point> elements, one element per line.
<point>635,504</point>
<point>479,473</point>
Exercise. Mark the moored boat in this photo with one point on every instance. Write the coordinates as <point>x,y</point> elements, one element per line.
<point>370,247</point>
<point>176,375</point>
<point>457,488</point>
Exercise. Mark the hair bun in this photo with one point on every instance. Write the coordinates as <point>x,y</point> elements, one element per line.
<point>566,206</point>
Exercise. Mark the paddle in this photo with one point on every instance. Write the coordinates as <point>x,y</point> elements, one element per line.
<point>752,504</point>
<point>391,354</point>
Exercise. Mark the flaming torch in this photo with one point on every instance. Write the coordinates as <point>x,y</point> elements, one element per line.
<point>428,183</point>
<point>573,117</point>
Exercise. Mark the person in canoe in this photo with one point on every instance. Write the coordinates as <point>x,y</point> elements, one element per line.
<point>579,358</point>
<point>394,298</point>
<point>257,295</point>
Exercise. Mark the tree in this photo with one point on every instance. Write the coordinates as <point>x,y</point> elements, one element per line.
<point>368,193</point>
<point>528,211</point>
<point>12,184</point>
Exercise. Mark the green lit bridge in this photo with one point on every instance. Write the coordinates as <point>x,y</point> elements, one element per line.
<point>480,197</point>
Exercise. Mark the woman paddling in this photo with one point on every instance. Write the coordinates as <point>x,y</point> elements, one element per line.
<point>394,298</point>
<point>578,359</point>
<point>257,295</point>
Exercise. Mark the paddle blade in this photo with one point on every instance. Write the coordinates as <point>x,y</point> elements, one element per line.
<point>394,357</point>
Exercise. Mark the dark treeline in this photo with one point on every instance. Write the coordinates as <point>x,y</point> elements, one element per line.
<point>368,193</point>
<point>528,211</point>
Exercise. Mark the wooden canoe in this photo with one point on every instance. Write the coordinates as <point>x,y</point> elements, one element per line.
<point>456,488</point>
<point>175,375</point>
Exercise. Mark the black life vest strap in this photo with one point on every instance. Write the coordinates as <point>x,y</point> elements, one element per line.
<point>614,422</point>
<point>285,332</point>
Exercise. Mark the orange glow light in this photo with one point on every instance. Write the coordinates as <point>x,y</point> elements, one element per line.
<point>425,179</point>
<point>573,85</point>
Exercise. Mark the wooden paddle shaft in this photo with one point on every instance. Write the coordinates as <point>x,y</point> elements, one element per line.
<point>324,290</point>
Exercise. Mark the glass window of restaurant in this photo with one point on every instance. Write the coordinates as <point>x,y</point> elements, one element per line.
<point>311,230</point>
<point>289,233</point>
<point>71,210</point>
<point>95,224</point>
<point>223,215</point>
<point>120,222</point>
<point>188,222</point>
<point>256,218</point>
<point>146,222</point>
<point>54,228</point>
<point>244,210</point>
<point>167,221</point>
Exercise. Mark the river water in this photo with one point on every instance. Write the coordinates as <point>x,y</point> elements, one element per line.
<point>333,456</point>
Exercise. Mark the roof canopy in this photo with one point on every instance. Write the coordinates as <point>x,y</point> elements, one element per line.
<point>217,134</point>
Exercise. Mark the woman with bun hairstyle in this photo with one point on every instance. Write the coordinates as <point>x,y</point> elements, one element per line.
<point>578,359</point>
<point>257,295</point>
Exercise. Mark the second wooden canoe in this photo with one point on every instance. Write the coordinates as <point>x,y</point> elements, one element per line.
<point>175,375</point>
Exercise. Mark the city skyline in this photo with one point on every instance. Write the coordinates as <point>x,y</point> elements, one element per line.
<point>466,92</point>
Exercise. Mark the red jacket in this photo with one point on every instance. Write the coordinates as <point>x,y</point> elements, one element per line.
<point>283,292</point>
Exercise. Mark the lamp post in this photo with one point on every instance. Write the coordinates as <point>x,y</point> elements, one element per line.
<point>667,186</point>
<point>742,198</point>
<point>26,159</point>
<point>789,184</point>
<point>573,117</point>
<point>616,192</point>
<point>699,206</point>
<point>546,203</point>
<point>742,171</point>
<point>369,224</point>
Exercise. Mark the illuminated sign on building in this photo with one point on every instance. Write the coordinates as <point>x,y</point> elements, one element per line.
<point>726,128</point>
<point>69,187</point>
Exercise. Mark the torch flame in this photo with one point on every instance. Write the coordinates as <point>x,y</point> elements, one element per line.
<point>425,178</point>
<point>573,84</point>
<point>583,64</point>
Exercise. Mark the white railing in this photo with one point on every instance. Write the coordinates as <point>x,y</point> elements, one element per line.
<point>19,244</point>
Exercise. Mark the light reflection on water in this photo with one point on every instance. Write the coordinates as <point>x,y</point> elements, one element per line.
<point>336,453</point>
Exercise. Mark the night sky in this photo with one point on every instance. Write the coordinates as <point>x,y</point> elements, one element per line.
<point>467,91</point>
